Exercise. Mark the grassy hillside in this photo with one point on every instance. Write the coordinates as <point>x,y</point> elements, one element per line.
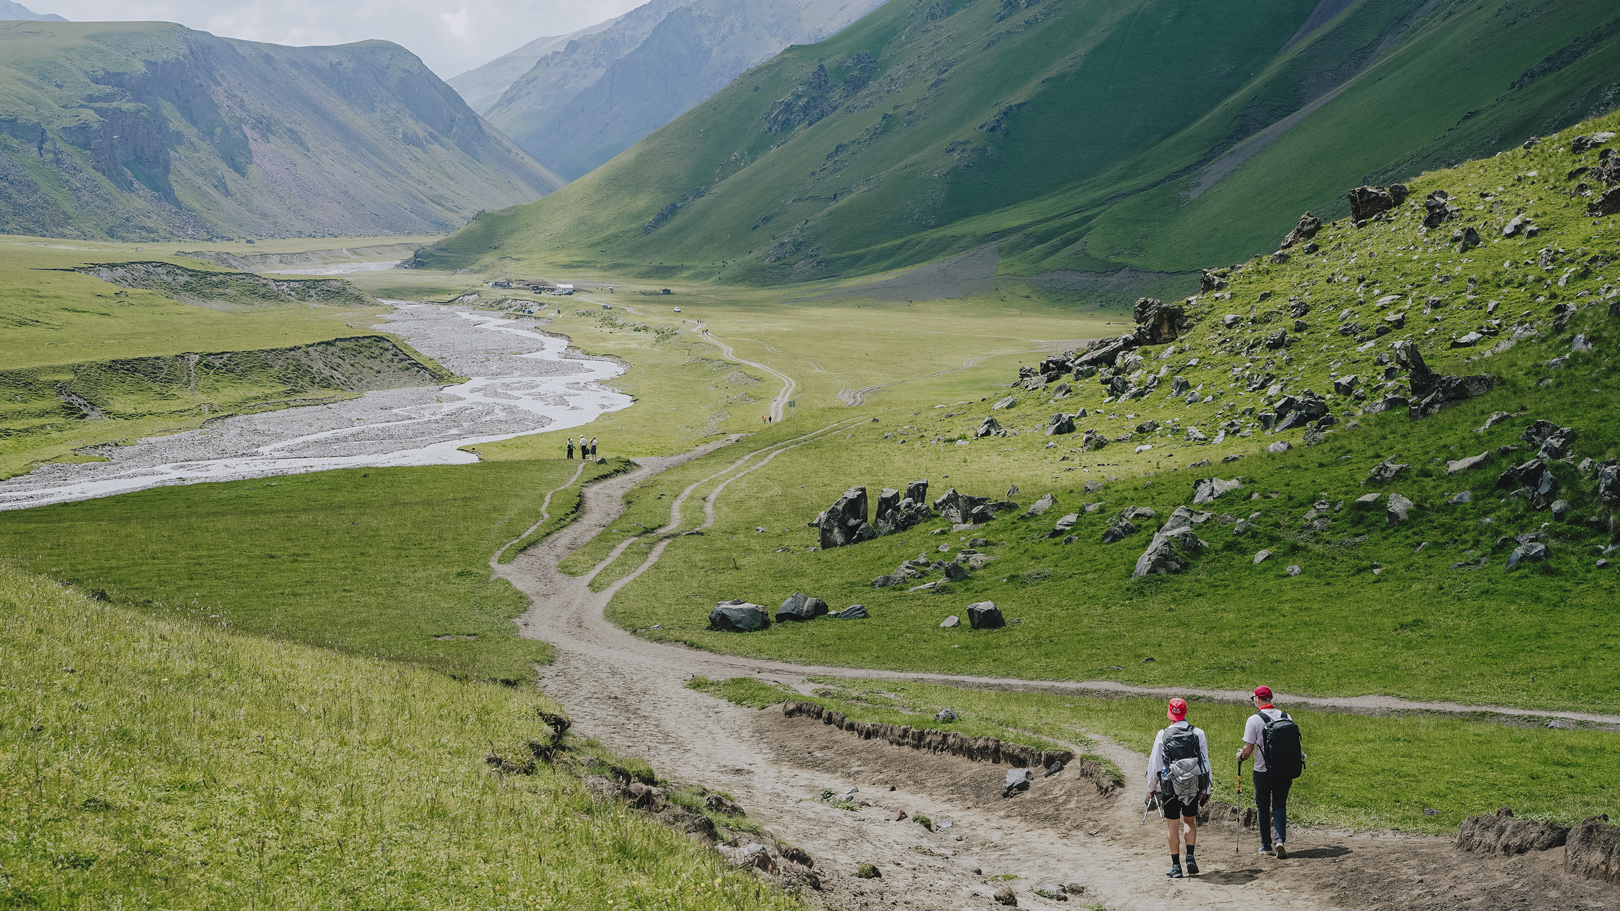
<point>1081,136</point>
<point>157,762</point>
<point>1421,608</point>
<point>139,131</point>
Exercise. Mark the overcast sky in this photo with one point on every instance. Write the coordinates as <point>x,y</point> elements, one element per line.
<point>452,36</point>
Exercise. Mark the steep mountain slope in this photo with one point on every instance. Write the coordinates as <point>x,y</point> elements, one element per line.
<point>151,130</point>
<point>1079,134</point>
<point>579,108</point>
<point>16,11</point>
<point>481,87</point>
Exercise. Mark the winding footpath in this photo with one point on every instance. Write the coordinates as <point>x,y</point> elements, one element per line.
<point>631,694</point>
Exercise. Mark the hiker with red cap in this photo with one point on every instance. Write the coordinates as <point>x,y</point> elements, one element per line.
<point>1279,761</point>
<point>1178,774</point>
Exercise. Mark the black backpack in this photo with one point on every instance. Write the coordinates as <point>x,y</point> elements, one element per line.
<point>1280,744</point>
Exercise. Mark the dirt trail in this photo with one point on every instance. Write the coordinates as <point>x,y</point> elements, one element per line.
<point>631,694</point>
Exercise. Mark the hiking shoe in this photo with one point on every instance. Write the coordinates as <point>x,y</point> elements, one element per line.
<point>1192,867</point>
<point>1266,852</point>
<point>1174,872</point>
<point>1282,852</point>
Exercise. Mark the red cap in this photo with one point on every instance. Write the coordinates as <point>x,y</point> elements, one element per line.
<point>1178,710</point>
<point>1263,691</point>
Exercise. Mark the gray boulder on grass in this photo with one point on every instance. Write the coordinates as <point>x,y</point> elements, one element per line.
<point>800,607</point>
<point>1206,490</point>
<point>1398,509</point>
<point>985,615</point>
<point>853,612</point>
<point>1533,552</point>
<point>1047,501</point>
<point>738,616</point>
<point>1459,466</point>
<point>1059,424</point>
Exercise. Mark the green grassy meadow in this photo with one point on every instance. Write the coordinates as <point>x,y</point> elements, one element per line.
<point>157,761</point>
<point>384,562</point>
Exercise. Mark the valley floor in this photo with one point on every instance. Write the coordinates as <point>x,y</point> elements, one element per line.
<point>631,693</point>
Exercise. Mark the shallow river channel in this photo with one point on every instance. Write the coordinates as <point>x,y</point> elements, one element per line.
<point>521,382</point>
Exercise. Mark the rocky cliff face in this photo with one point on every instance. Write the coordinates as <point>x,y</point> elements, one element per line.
<point>144,131</point>
<point>580,107</point>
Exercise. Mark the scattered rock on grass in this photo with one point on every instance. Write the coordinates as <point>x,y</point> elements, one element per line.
<point>1472,462</point>
<point>985,615</point>
<point>1534,552</point>
<point>1039,508</point>
<point>853,612</point>
<point>1207,490</point>
<point>1398,509</point>
<point>800,607</point>
<point>950,622</point>
<point>738,616</point>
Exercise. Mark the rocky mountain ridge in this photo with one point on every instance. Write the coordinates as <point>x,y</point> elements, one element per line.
<point>600,94</point>
<point>143,131</point>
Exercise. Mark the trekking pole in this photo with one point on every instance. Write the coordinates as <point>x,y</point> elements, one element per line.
<point>1237,843</point>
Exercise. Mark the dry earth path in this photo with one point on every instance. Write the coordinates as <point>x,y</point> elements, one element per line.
<point>630,693</point>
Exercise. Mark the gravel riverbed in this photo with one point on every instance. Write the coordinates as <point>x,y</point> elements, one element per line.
<point>522,381</point>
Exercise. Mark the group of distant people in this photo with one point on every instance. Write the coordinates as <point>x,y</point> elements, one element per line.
<point>1179,778</point>
<point>587,448</point>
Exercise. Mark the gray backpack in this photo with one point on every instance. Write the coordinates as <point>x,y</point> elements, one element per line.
<point>1185,775</point>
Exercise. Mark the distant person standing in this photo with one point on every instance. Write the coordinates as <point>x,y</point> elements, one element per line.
<point>1178,771</point>
<point>582,445</point>
<point>1279,761</point>
<point>593,447</point>
<point>571,449</point>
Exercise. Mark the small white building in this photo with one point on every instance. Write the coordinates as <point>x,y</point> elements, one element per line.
<point>564,289</point>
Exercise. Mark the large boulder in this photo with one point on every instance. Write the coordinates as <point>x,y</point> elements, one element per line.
<point>985,615</point>
<point>1433,391</point>
<point>1207,490</point>
<point>990,428</point>
<point>1504,833</point>
<point>1551,441</point>
<point>1534,478</point>
<point>738,616</point>
<point>1365,202</point>
<point>895,513</point>
<point>1091,441</point>
<point>1385,471</point>
<point>1608,483</point>
<point>917,491</point>
<point>845,522</point>
<point>1158,322</point>
<point>1047,501</point>
<point>1458,466</point>
<point>799,607</point>
<point>1174,544</point>
<point>1064,525</point>
<point>1060,424</point>
<point>1306,229</point>
<point>962,509</point>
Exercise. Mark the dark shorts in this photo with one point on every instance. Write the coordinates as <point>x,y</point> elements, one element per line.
<point>1176,808</point>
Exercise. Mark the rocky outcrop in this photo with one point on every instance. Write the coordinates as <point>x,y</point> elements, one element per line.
<point>1533,480</point>
<point>1307,228</point>
<point>1175,543</point>
<point>845,522</point>
<point>1207,490</point>
<point>977,749</point>
<point>962,509</point>
<point>1366,202</point>
<point>1158,322</point>
<point>738,616</point>
<point>898,513</point>
<point>1504,833</point>
<point>1433,391</point>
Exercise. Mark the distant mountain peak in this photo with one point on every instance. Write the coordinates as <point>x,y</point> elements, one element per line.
<point>18,12</point>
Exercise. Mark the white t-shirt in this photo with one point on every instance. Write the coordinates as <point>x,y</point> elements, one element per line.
<point>1255,732</point>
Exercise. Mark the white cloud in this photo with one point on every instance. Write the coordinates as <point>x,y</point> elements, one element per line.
<point>450,37</point>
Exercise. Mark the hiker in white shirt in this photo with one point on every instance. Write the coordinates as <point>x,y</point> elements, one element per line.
<point>1178,773</point>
